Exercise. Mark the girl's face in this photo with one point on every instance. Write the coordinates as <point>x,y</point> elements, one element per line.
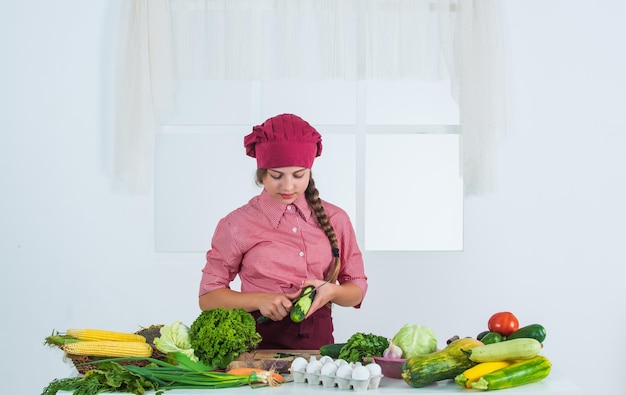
<point>286,184</point>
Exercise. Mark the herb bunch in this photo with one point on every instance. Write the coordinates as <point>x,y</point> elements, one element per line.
<point>362,345</point>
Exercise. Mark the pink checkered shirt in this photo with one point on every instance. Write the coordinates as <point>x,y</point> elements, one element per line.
<point>274,247</point>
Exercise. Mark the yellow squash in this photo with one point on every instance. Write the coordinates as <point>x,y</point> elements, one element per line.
<point>472,374</point>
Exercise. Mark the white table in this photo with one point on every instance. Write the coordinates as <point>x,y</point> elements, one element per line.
<point>554,384</point>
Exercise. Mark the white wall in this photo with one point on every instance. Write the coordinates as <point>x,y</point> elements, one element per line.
<point>77,251</point>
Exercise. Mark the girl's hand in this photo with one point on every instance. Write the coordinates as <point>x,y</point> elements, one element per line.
<point>324,294</point>
<point>275,306</point>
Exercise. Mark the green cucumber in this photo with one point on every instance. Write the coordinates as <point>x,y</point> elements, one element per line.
<point>492,337</point>
<point>302,305</point>
<point>516,374</point>
<point>481,335</point>
<point>332,350</point>
<point>533,331</point>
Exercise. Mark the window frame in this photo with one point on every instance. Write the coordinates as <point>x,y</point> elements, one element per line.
<point>361,129</point>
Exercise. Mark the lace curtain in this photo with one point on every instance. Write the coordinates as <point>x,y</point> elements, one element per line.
<point>162,40</point>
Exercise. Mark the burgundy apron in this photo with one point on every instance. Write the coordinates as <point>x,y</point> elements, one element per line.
<point>310,334</point>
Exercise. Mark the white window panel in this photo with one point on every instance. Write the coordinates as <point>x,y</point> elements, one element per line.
<point>319,102</point>
<point>409,102</point>
<point>413,192</point>
<point>335,173</point>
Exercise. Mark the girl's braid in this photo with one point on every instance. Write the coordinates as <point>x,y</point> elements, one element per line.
<point>313,197</point>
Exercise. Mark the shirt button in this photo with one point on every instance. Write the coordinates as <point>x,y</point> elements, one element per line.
<point>288,207</point>
<point>294,230</point>
<point>301,253</point>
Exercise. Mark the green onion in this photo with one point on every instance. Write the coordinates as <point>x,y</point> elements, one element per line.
<point>158,375</point>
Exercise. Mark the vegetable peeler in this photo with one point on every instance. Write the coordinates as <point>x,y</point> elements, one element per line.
<point>263,319</point>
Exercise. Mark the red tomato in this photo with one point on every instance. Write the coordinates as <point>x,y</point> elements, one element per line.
<point>503,323</point>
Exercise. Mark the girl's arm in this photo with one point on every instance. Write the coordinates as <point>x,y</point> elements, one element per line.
<point>273,306</point>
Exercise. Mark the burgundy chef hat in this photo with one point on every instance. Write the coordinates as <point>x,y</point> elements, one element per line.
<point>283,140</point>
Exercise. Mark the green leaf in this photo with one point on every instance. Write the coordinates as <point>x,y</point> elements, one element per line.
<point>185,361</point>
<point>361,345</point>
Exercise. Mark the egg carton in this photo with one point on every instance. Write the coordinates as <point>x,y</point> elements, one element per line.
<point>340,375</point>
<point>334,381</point>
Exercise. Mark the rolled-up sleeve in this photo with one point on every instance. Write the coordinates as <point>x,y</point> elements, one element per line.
<point>222,260</point>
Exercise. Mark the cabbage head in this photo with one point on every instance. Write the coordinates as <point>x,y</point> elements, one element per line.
<point>175,338</point>
<point>415,340</point>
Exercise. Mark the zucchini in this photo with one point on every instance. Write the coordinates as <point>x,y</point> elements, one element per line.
<point>422,370</point>
<point>302,304</point>
<point>533,331</point>
<point>516,374</point>
<point>332,350</point>
<point>522,348</point>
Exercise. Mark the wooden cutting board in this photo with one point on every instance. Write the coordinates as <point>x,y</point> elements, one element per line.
<point>279,360</point>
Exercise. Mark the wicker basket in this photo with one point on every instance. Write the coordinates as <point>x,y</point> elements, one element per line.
<point>84,363</point>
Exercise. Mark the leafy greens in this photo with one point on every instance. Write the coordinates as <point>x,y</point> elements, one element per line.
<point>361,345</point>
<point>109,377</point>
<point>219,335</point>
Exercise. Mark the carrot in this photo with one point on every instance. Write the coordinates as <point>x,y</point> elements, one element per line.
<point>259,375</point>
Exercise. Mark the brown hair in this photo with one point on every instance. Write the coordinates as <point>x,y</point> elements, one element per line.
<point>313,198</point>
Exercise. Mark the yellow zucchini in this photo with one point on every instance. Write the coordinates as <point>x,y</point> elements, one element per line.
<point>472,374</point>
<point>522,348</point>
<point>519,373</point>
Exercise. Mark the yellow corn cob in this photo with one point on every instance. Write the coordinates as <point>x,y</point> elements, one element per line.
<point>107,348</point>
<point>475,372</point>
<point>99,334</point>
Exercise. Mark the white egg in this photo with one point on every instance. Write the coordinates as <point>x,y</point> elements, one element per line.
<point>344,371</point>
<point>298,364</point>
<point>374,368</point>
<point>325,359</point>
<point>360,373</point>
<point>328,369</point>
<point>340,362</point>
<point>314,366</point>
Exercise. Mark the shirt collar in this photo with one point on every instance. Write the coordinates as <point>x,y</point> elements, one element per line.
<point>274,210</point>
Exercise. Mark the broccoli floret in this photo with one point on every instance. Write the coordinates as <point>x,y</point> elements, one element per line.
<point>219,335</point>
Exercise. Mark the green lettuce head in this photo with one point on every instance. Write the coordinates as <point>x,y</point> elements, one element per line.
<point>415,340</point>
<point>175,338</point>
<point>219,335</point>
